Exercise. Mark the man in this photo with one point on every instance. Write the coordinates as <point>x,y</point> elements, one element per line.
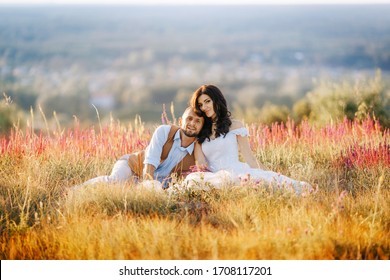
<point>169,151</point>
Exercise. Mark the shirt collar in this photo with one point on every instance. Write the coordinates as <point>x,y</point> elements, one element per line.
<point>190,148</point>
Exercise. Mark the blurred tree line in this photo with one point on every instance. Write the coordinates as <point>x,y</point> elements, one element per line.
<point>330,102</point>
<point>327,102</point>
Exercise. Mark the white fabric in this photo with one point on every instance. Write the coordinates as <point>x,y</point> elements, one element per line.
<point>120,173</point>
<point>151,185</point>
<point>222,154</point>
<point>204,180</point>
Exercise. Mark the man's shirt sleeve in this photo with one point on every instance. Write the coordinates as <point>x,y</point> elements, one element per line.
<point>154,149</point>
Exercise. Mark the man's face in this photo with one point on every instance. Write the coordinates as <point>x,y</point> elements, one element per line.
<point>191,124</point>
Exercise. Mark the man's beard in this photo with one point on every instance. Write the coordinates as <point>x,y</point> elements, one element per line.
<point>189,134</point>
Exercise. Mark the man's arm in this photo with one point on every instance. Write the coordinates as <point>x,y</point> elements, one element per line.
<point>149,172</point>
<point>154,150</point>
<point>200,159</point>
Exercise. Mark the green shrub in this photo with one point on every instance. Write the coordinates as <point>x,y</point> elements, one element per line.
<point>329,102</point>
<point>10,114</point>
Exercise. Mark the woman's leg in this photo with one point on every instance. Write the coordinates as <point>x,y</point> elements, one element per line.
<point>280,181</point>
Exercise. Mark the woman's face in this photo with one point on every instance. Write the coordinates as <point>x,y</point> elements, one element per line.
<point>206,105</point>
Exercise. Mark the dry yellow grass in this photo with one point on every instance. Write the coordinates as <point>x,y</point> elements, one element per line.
<point>348,218</point>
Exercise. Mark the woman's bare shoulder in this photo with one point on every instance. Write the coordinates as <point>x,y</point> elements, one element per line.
<point>236,124</point>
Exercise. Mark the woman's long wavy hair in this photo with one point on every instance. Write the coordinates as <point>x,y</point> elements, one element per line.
<point>220,108</point>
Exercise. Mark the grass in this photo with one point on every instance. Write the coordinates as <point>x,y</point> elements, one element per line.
<point>347,218</point>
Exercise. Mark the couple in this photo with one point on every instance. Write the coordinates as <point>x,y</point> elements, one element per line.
<point>208,138</point>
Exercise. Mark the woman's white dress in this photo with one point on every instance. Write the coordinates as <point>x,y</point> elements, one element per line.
<point>222,156</point>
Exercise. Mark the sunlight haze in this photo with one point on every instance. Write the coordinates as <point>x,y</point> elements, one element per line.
<point>194,2</point>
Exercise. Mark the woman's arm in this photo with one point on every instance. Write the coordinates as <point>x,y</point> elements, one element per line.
<point>246,152</point>
<point>244,147</point>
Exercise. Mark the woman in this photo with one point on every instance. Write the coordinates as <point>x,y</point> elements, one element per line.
<point>219,150</point>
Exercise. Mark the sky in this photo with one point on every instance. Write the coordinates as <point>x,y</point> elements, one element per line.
<point>194,2</point>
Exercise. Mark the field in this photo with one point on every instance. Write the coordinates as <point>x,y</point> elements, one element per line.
<point>348,217</point>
